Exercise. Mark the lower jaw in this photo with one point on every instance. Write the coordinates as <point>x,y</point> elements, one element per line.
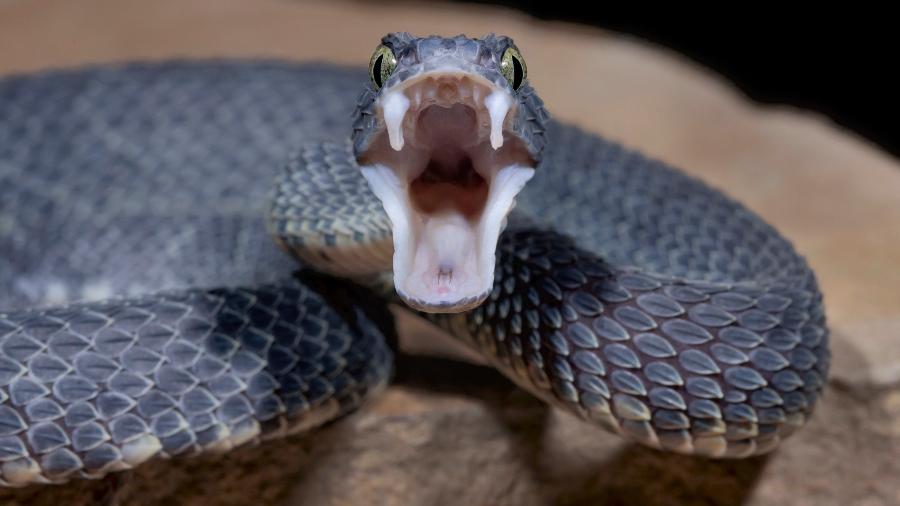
<point>457,306</point>
<point>424,243</point>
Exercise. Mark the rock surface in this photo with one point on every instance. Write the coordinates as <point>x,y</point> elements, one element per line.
<point>450,432</point>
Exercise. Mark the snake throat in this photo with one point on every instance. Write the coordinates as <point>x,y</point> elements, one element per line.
<point>447,171</point>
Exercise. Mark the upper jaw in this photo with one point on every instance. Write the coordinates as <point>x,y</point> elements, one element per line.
<point>399,105</point>
<point>447,169</point>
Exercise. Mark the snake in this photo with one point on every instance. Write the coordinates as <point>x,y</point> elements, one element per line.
<point>201,254</point>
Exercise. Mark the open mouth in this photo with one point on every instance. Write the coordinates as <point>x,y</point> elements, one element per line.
<point>447,170</point>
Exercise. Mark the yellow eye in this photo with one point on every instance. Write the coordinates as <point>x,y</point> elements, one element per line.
<point>381,66</point>
<point>513,68</point>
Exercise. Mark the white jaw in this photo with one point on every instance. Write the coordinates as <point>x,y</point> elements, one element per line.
<point>447,186</point>
<point>444,261</point>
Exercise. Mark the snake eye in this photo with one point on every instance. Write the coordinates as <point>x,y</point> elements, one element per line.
<point>382,65</point>
<point>513,68</point>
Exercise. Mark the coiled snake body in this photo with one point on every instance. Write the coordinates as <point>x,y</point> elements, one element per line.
<point>147,311</point>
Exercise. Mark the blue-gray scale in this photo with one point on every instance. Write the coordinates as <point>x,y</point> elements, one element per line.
<point>675,316</point>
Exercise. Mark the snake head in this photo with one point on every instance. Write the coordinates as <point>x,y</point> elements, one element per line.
<point>447,133</point>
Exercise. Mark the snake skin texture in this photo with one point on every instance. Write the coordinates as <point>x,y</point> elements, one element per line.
<point>124,182</point>
<point>146,310</point>
<point>716,369</point>
<point>695,329</point>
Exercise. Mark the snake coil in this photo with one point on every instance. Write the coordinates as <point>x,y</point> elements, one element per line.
<point>145,310</point>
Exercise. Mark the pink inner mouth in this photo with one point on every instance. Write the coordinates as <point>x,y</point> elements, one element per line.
<point>447,191</point>
<point>449,179</point>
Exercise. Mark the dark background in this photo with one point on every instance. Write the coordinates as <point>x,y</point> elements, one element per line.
<point>841,63</point>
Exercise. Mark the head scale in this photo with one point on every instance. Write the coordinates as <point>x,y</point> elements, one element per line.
<point>418,55</point>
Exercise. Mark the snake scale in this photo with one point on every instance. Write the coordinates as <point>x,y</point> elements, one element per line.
<point>146,310</point>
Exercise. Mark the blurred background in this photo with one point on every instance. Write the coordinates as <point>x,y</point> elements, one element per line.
<point>833,61</point>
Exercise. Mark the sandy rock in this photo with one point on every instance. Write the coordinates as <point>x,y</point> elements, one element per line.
<point>451,433</point>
